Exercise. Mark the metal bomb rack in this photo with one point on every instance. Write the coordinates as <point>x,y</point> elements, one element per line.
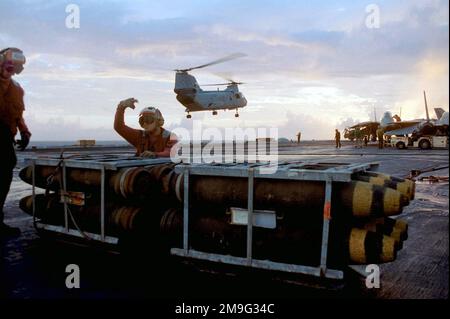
<point>307,171</point>
<point>99,162</point>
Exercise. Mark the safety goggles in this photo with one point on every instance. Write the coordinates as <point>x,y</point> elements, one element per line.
<point>17,57</point>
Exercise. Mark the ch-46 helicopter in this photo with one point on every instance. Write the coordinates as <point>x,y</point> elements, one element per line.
<point>195,99</point>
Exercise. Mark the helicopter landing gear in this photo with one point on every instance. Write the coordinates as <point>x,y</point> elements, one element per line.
<point>188,116</point>
<point>214,113</point>
<point>237,114</point>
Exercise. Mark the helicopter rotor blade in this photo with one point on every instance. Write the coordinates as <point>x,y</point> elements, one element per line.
<point>215,84</point>
<point>227,77</point>
<point>224,59</point>
<point>219,84</point>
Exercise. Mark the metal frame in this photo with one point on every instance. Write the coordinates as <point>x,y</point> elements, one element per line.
<point>329,173</point>
<point>294,170</point>
<point>98,162</point>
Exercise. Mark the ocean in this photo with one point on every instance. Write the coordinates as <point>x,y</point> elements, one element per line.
<point>53,144</point>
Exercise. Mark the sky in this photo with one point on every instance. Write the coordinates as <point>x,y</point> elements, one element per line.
<point>310,66</point>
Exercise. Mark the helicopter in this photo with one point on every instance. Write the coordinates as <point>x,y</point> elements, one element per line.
<point>195,99</point>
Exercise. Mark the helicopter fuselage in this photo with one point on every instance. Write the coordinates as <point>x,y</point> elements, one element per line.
<point>195,99</point>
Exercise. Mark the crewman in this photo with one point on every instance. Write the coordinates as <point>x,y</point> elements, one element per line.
<point>299,135</point>
<point>358,137</point>
<point>380,136</point>
<point>153,141</point>
<point>11,120</point>
<point>337,137</point>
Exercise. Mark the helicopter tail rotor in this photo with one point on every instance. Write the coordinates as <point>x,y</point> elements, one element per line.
<point>227,77</point>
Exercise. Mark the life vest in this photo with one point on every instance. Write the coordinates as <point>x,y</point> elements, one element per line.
<point>11,104</point>
<point>153,143</point>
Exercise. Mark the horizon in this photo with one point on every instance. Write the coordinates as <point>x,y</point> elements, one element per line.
<point>125,142</point>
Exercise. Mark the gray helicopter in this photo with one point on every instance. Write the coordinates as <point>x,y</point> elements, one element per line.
<point>195,99</point>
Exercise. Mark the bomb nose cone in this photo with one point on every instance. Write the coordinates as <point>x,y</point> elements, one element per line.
<point>374,200</point>
<point>406,187</point>
<point>393,202</point>
<point>369,247</point>
<point>388,250</point>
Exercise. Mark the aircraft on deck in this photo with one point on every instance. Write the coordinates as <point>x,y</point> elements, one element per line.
<point>393,125</point>
<point>366,128</point>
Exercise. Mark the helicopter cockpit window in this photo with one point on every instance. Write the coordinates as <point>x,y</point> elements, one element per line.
<point>238,95</point>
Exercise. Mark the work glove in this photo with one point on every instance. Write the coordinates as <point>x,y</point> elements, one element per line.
<point>148,154</point>
<point>128,103</point>
<point>24,141</point>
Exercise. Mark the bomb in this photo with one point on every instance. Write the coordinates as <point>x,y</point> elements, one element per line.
<point>356,198</point>
<point>287,243</point>
<point>126,182</point>
<point>118,219</point>
<point>405,186</point>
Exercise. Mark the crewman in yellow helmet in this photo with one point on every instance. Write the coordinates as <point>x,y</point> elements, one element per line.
<point>153,140</point>
<point>11,120</point>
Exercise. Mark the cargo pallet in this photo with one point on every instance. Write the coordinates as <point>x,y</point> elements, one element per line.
<point>297,170</point>
<point>292,170</point>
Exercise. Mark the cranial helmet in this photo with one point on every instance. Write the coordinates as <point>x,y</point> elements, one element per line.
<point>151,113</point>
<point>13,59</point>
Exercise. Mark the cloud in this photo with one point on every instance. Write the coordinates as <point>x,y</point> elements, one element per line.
<point>347,123</point>
<point>311,127</point>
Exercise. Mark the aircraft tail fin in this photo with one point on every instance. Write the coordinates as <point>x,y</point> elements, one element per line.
<point>439,112</point>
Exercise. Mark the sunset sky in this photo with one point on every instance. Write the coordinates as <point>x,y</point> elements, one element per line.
<point>311,66</point>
